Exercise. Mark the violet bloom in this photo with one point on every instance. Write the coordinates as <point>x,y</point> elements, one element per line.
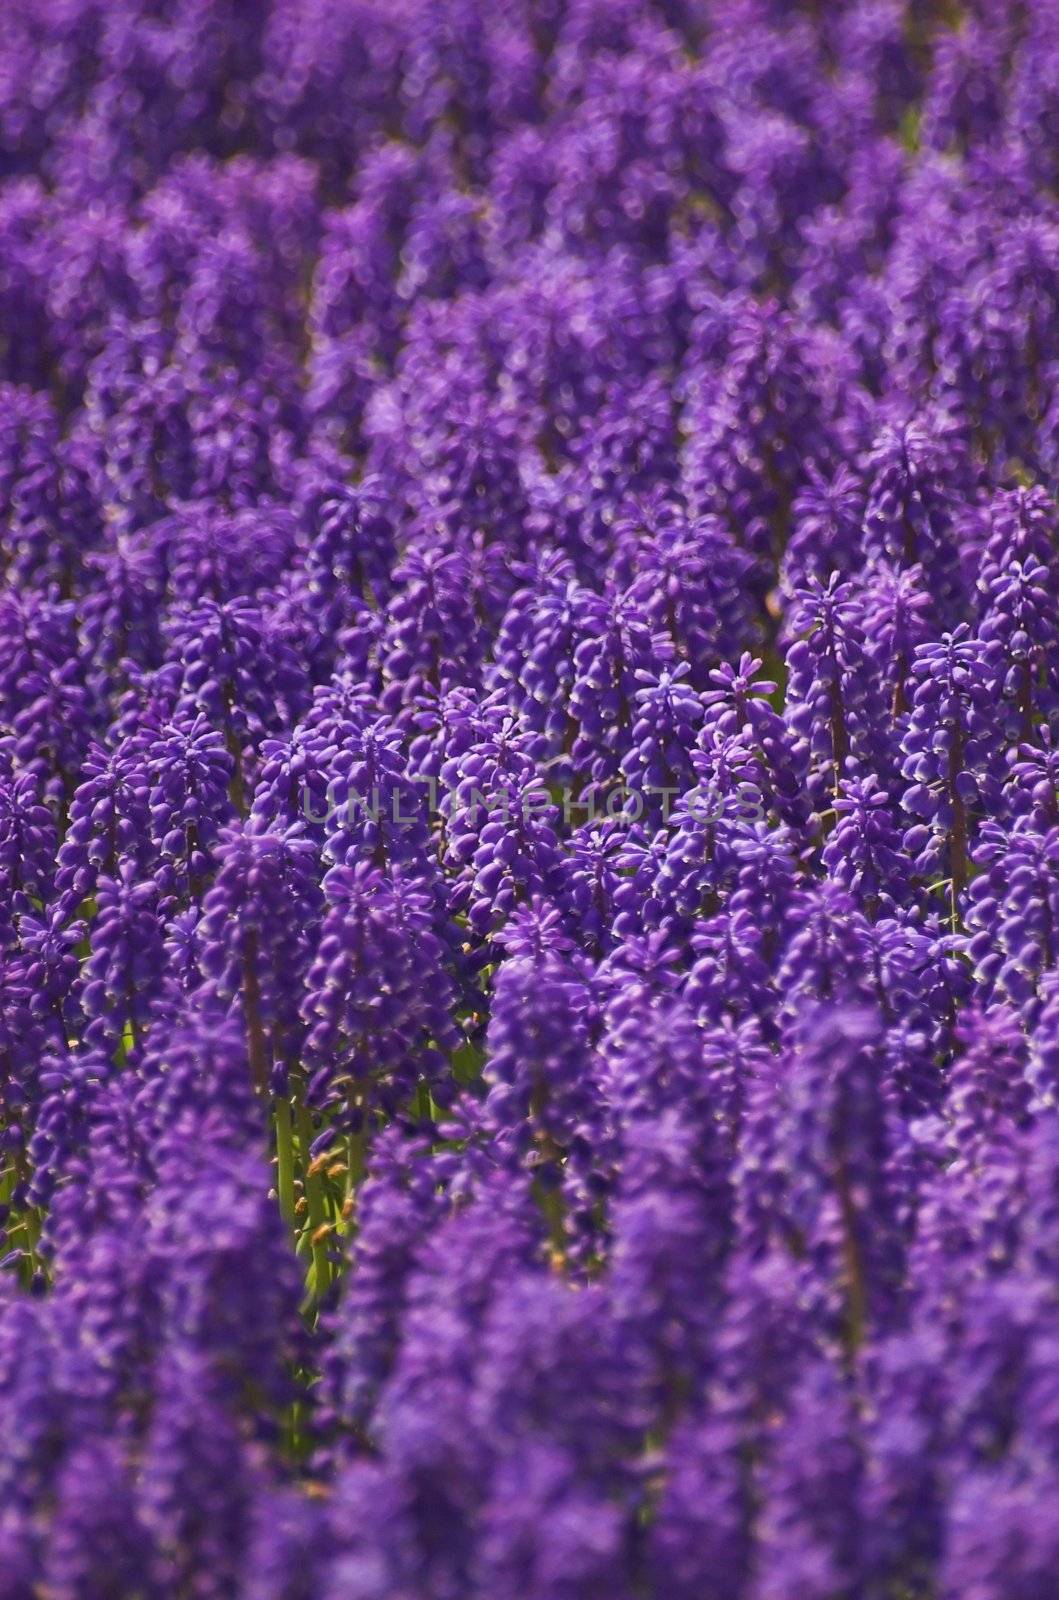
<point>865,854</point>
<point>689,578</point>
<point>914,470</point>
<point>374,1029</point>
<point>195,1488</point>
<point>949,753</point>
<point>833,705</point>
<point>527,592</point>
<point>658,766</point>
<point>810,1524</point>
<point>97,1543</point>
<point>258,921</point>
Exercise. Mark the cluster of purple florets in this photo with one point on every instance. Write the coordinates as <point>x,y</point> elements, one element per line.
<point>529,800</point>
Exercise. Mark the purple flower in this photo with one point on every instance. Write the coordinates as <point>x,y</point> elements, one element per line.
<point>529,790</point>
<point>373,1032</point>
<point>258,920</point>
<point>949,753</point>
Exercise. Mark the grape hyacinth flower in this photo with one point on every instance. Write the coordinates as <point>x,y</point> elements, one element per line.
<point>529,800</point>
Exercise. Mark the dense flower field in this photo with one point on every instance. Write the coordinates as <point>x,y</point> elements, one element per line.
<point>529,800</point>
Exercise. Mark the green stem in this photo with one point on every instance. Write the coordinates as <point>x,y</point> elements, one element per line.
<point>424,1105</point>
<point>314,1195</point>
<point>285,1160</point>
